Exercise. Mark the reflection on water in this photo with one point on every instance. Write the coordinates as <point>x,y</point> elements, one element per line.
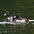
<point>17,29</point>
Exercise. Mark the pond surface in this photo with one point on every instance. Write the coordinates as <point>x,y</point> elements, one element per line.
<point>17,29</point>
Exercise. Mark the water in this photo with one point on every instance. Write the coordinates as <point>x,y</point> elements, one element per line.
<point>17,29</point>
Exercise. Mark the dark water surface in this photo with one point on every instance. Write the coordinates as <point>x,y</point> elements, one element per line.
<point>24,7</point>
<point>17,29</point>
<point>26,10</point>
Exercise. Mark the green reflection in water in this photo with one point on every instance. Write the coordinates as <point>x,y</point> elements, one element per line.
<point>17,29</point>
